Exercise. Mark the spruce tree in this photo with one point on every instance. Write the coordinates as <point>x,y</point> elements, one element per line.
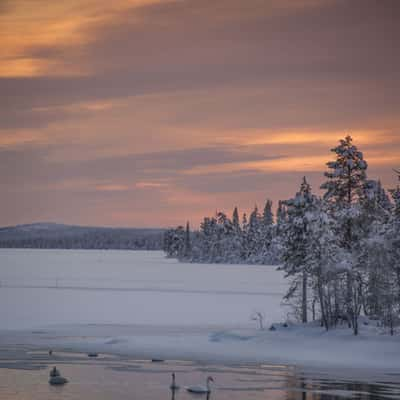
<point>267,234</point>
<point>235,219</point>
<point>296,244</point>
<point>322,259</point>
<point>396,197</point>
<point>268,217</point>
<point>344,192</point>
<point>254,237</point>
<point>347,176</point>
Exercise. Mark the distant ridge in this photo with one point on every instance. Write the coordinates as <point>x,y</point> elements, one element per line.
<point>52,235</point>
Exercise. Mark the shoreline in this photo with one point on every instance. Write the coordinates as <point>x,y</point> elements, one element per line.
<point>296,346</point>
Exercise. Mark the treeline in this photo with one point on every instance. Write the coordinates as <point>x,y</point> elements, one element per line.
<point>341,251</point>
<point>56,236</point>
<point>227,240</point>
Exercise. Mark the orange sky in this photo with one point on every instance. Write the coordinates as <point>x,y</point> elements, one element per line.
<point>148,113</point>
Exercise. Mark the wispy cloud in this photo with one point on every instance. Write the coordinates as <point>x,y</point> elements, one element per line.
<point>111,109</point>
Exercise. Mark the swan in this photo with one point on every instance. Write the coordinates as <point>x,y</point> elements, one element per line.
<point>201,389</point>
<point>56,378</point>
<point>54,372</point>
<point>173,385</point>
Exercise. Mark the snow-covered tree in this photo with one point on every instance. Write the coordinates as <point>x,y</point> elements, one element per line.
<point>268,252</point>
<point>296,244</point>
<point>324,260</point>
<point>391,241</point>
<point>174,242</point>
<point>396,197</point>
<point>253,239</point>
<point>344,193</point>
<point>280,216</point>
<point>229,242</point>
<point>268,216</point>
<point>376,204</point>
<point>235,219</point>
<point>347,174</point>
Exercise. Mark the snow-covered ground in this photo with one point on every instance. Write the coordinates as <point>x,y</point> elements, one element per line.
<point>140,303</point>
<point>41,287</point>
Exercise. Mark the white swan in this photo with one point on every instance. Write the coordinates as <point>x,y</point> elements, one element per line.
<point>201,389</point>
<point>56,378</point>
<point>173,385</point>
<point>54,372</point>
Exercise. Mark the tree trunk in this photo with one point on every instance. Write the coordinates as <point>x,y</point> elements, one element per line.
<point>322,304</point>
<point>336,300</point>
<point>355,326</point>
<point>313,308</point>
<point>304,299</point>
<point>349,299</point>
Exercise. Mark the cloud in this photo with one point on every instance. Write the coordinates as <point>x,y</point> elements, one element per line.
<point>32,166</point>
<point>184,106</point>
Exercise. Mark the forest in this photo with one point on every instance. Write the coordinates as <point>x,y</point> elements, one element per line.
<point>59,236</point>
<point>340,250</point>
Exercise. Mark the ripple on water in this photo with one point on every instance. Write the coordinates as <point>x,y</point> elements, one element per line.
<point>26,377</point>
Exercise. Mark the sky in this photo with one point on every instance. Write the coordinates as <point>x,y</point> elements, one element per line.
<point>149,113</point>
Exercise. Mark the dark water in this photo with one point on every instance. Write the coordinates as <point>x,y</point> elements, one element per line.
<point>24,375</point>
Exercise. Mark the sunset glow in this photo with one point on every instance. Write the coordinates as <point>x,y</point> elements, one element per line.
<point>146,113</point>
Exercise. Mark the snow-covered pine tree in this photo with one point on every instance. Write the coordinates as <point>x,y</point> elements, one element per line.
<point>323,260</point>
<point>254,238</point>
<point>376,205</point>
<point>267,253</point>
<point>381,281</point>
<point>296,244</point>
<point>344,191</point>
<point>392,242</point>
<point>376,211</point>
<point>235,219</point>
<point>268,216</point>
<point>280,216</point>
<point>396,197</point>
<point>174,242</point>
<point>237,237</point>
<point>382,256</point>
<point>227,237</point>
<point>206,240</point>
<point>346,179</point>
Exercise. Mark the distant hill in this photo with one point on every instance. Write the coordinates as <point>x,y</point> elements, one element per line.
<point>59,236</point>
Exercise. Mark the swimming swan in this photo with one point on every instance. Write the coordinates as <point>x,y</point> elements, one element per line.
<point>201,389</point>
<point>56,378</point>
<point>173,385</point>
<point>54,372</point>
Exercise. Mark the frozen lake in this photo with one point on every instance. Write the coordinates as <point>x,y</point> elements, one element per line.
<point>47,287</point>
<point>142,305</point>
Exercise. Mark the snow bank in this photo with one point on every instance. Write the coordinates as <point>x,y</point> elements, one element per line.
<point>300,345</point>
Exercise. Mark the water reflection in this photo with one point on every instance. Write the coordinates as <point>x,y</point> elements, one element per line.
<point>206,396</point>
<point>122,379</point>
